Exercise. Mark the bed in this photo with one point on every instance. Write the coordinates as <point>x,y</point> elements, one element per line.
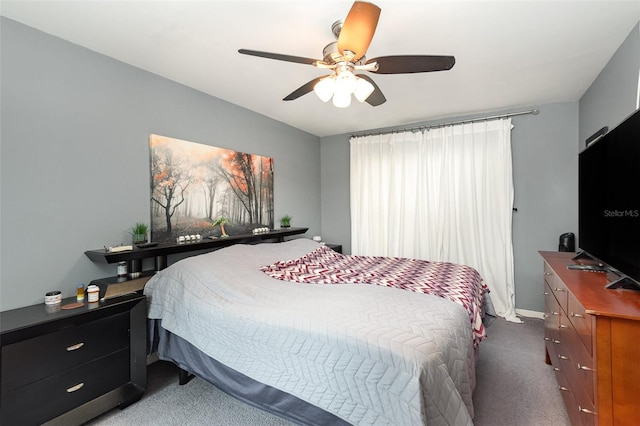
<point>298,330</point>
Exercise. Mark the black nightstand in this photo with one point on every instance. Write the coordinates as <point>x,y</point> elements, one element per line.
<point>68,366</point>
<point>335,247</point>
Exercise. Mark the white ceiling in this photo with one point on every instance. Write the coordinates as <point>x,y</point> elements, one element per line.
<point>509,54</point>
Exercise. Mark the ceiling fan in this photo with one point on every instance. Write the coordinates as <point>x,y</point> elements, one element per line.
<point>346,55</point>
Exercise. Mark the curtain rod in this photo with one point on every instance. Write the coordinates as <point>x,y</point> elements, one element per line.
<point>451,123</point>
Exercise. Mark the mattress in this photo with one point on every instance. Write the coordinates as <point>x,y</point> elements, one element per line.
<point>365,354</point>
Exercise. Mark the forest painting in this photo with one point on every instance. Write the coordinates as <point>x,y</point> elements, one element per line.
<point>194,185</point>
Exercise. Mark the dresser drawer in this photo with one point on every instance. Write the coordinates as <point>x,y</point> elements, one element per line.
<point>565,362</point>
<point>579,369</point>
<point>48,398</point>
<point>569,400</point>
<point>551,325</point>
<point>556,285</point>
<point>40,357</point>
<point>582,322</point>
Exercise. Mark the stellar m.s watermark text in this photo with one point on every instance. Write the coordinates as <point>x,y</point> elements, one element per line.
<point>622,213</point>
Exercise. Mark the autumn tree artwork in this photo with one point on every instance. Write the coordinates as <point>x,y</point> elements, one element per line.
<point>194,185</point>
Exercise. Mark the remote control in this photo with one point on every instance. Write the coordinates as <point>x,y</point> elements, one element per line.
<point>145,245</point>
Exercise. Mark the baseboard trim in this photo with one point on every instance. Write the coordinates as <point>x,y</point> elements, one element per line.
<point>529,314</point>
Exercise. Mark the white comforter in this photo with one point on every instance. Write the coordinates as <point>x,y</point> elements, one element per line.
<point>368,354</point>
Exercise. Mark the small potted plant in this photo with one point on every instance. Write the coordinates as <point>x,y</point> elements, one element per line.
<point>139,233</point>
<point>285,221</point>
<point>221,222</point>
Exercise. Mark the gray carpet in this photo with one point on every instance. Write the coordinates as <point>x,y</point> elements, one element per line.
<point>515,387</point>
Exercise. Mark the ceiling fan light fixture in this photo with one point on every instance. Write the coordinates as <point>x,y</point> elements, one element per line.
<point>325,88</point>
<point>364,89</point>
<point>347,55</point>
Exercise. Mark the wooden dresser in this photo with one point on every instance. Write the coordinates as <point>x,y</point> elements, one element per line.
<point>592,340</point>
<point>64,367</point>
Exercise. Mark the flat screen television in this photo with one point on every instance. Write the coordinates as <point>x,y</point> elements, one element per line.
<point>609,200</point>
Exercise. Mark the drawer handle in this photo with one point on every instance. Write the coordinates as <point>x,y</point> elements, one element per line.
<point>554,313</point>
<point>547,273</point>
<point>545,316</point>
<point>546,293</point>
<point>562,388</point>
<point>75,388</point>
<point>556,342</point>
<point>563,357</point>
<point>75,347</point>
<point>584,367</point>
<point>556,369</point>
<point>563,326</point>
<point>547,339</point>
<point>584,410</point>
<point>558,289</point>
<point>574,315</point>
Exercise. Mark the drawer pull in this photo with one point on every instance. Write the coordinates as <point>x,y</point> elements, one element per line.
<point>545,316</point>
<point>556,369</point>
<point>585,410</point>
<point>562,388</point>
<point>546,293</point>
<point>75,388</point>
<point>563,357</point>
<point>574,315</point>
<point>563,326</point>
<point>75,347</point>
<point>558,289</point>
<point>547,339</point>
<point>547,273</point>
<point>556,342</point>
<point>554,313</point>
<point>584,367</point>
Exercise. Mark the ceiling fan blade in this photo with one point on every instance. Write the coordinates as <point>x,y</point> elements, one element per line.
<point>279,56</point>
<point>358,29</point>
<point>376,97</point>
<point>303,90</point>
<point>405,64</point>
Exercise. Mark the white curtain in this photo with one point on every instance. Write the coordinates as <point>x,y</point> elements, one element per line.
<point>444,194</point>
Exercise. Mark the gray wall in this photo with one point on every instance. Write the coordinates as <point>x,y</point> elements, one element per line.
<point>613,96</point>
<point>544,149</point>
<point>74,161</point>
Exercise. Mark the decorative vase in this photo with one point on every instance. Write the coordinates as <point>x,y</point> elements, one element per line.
<point>139,238</point>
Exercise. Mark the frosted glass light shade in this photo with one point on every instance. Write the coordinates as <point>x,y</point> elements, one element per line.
<point>324,88</point>
<point>345,82</point>
<point>342,99</point>
<point>364,89</point>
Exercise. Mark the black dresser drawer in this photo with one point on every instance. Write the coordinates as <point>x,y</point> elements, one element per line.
<point>40,401</point>
<point>40,357</point>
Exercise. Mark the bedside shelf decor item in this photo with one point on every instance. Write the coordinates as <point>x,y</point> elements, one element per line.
<point>203,184</point>
<point>285,221</point>
<point>139,233</point>
<point>221,222</point>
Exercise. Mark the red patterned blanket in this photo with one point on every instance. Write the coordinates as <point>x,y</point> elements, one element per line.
<point>459,283</point>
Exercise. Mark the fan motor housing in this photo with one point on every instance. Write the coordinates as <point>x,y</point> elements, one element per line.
<point>331,55</point>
